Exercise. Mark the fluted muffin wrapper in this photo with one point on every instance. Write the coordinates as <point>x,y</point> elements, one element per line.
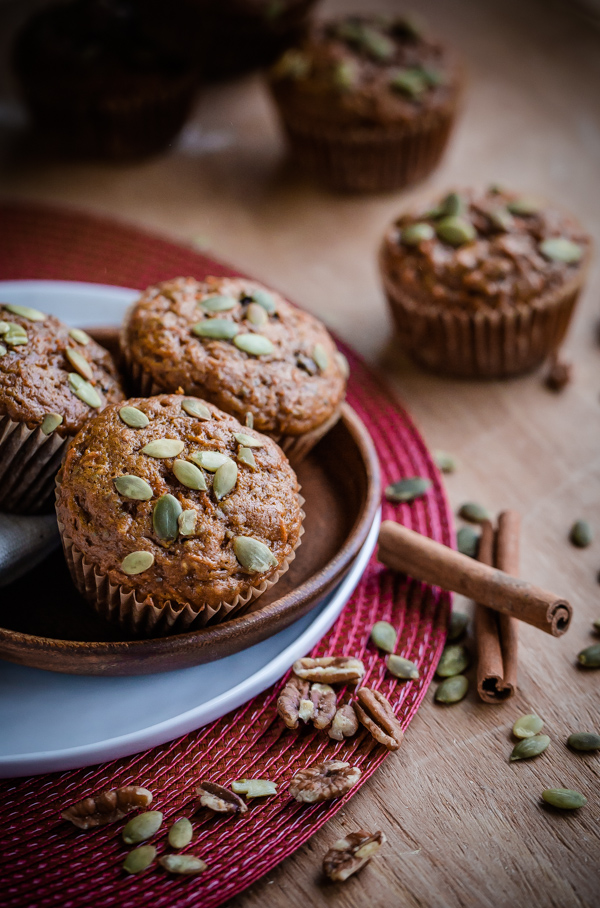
<point>29,461</point>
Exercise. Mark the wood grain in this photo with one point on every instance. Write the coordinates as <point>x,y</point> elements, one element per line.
<point>465,828</point>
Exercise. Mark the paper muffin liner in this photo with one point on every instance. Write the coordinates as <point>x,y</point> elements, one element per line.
<point>29,461</point>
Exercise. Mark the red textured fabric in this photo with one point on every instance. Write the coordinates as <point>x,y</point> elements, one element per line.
<point>45,861</point>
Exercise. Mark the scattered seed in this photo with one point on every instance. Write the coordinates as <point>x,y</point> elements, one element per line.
<point>245,456</point>
<point>560,249</point>
<point>343,363</point>
<point>225,479</point>
<point>501,219</point>
<point>209,460</point>
<point>454,204</point>
<point>136,562</point>
<point>133,487</point>
<point>416,233</point>
<point>457,626</point>
<point>218,303</point>
<point>50,422</point>
<point>79,336</point>
<point>452,690</point>
<point>248,441</point>
<point>474,512</point>
<point>254,788</point>
<point>180,833</point>
<point>195,408</point>
<point>565,798</point>
<point>139,859</point>
<point>253,344</point>
<point>133,417</point>
<point>165,518</point>
<point>320,357</point>
<point>189,475</point>
<point>183,864</point>
<point>163,447</point>
<point>581,534</point>
<point>254,555</point>
<point>524,206</point>
<point>467,541</point>
<point>187,522</point>
<point>530,747</point>
<point>33,315</point>
<point>453,661</point>
<point>456,230</point>
<point>406,490</point>
<point>384,636</point>
<point>584,740</point>
<point>216,329</point>
<point>84,391</point>
<point>444,461</point>
<point>590,657</point>
<point>257,315</point>
<point>527,726</point>
<point>402,668</point>
<point>142,827</point>
<point>79,363</point>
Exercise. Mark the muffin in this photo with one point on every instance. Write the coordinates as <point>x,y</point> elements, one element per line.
<point>367,103</point>
<point>173,514</point>
<point>483,285</point>
<point>99,80</point>
<point>243,348</point>
<point>52,379</point>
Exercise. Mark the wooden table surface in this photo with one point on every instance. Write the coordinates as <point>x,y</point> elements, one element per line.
<point>465,827</point>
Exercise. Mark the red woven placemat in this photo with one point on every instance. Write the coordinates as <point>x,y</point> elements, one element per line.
<point>45,861</point>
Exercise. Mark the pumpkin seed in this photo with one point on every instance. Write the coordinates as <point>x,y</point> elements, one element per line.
<point>187,522</point>
<point>165,518</point>
<point>180,833</point>
<point>218,303</point>
<point>454,204</point>
<point>79,363</point>
<point>467,541</point>
<point>343,364</point>
<point>195,408</point>
<point>139,859</point>
<point>254,788</point>
<point>216,329</point>
<point>142,827</point>
<point>581,534</point>
<point>345,75</point>
<point>189,475</point>
<point>245,456</point>
<point>584,740</point>
<point>163,447</point>
<point>133,417</point>
<point>134,487</point>
<point>33,315</point>
<point>257,315</point>
<point>453,661</point>
<point>406,490</point>
<point>416,233</point>
<point>249,420</point>
<point>524,206</point>
<point>410,82</point>
<point>184,864</point>
<point>501,218</point>
<point>5,327</point>
<point>136,562</point>
<point>590,657</point>
<point>84,391</point>
<point>209,460</point>
<point>560,249</point>
<point>527,726</point>
<point>565,798</point>
<point>264,299</point>
<point>50,422</point>
<point>12,328</point>
<point>474,512</point>
<point>16,338</point>
<point>320,357</point>
<point>248,441</point>
<point>254,555</point>
<point>225,479</point>
<point>444,461</point>
<point>3,350</point>
<point>292,65</point>
<point>530,747</point>
<point>402,668</point>
<point>376,44</point>
<point>457,627</point>
<point>253,344</point>
<point>456,230</point>
<point>452,690</point>
<point>384,636</point>
<point>79,336</point>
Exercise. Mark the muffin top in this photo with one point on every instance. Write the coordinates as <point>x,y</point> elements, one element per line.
<point>366,71</point>
<point>490,250</point>
<point>174,498</point>
<point>240,346</point>
<point>51,375</point>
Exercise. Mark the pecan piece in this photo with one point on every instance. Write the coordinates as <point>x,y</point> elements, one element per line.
<point>289,700</point>
<point>219,799</point>
<point>329,669</point>
<point>107,807</point>
<point>348,855</point>
<point>345,723</point>
<point>323,700</point>
<point>324,781</point>
<point>375,712</point>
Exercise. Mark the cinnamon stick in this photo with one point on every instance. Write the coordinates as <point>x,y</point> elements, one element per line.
<point>507,559</point>
<point>404,550</point>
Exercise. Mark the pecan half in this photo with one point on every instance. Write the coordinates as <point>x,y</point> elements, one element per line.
<point>348,855</point>
<point>108,807</point>
<point>324,781</point>
<point>375,712</point>
<point>345,723</point>
<point>219,799</point>
<point>289,700</point>
<point>329,669</point>
<point>323,700</point>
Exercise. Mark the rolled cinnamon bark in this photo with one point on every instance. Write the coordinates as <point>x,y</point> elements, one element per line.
<point>404,550</point>
<point>507,559</point>
<point>490,661</point>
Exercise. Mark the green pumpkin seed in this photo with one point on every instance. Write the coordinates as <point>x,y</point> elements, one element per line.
<point>590,657</point>
<point>33,315</point>
<point>474,512</point>
<point>410,82</point>
<point>257,315</point>
<point>445,462</point>
<point>530,747</point>
<point>254,788</point>
<point>139,859</point>
<point>187,522</point>
<point>560,249</point>
<point>180,833</point>
<point>209,460</point>
<point>189,475</point>
<point>406,490</point>
<point>264,299</point>
<point>79,363</point>
<point>454,204</point>
<point>163,447</point>
<point>452,690</point>
<point>456,230</point>
<point>248,441</point>
<point>453,661</point>
<point>225,479</point>
<point>501,218</point>
<point>84,391</point>
<point>216,329</point>
<point>384,636</point>
<point>133,417</point>
<point>467,541</point>
<point>3,350</point>
<point>524,206</point>
<point>218,303</point>
<point>292,65</point>
<point>183,864</point>
<point>142,827</point>
<point>50,422</point>
<point>402,668</point>
<point>377,44</point>
<point>16,338</point>
<point>345,75</point>
<point>249,420</point>
<point>416,233</point>
<point>527,726</point>
<point>134,487</point>
<point>432,76</point>
<point>195,408</point>
<point>79,336</point>
<point>581,534</point>
<point>564,798</point>
<point>165,518</point>
<point>245,456</point>
<point>253,555</point>
<point>584,740</point>
<point>320,357</point>
<point>137,562</point>
<point>457,626</point>
<point>253,344</point>
<point>5,327</point>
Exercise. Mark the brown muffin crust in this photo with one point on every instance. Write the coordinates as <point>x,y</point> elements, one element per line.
<point>34,376</point>
<point>291,390</point>
<point>202,568</point>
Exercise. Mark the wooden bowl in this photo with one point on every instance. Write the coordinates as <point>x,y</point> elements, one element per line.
<point>44,623</point>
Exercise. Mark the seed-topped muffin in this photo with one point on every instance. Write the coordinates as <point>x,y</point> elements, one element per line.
<point>367,102</point>
<point>172,512</point>
<point>52,379</point>
<point>483,284</point>
<point>242,347</point>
